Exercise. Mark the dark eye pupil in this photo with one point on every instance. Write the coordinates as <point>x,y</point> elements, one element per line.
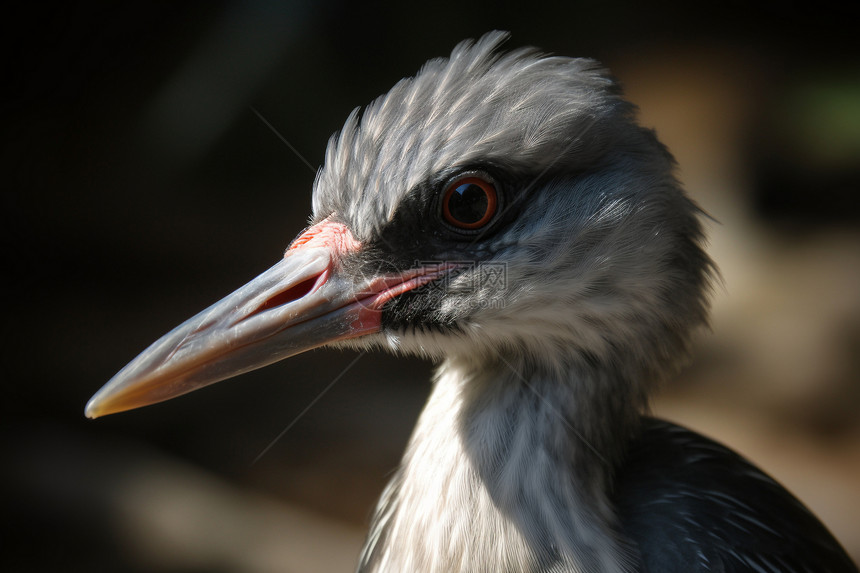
<point>468,203</point>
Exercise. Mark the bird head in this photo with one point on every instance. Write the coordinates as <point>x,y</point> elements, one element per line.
<point>492,204</point>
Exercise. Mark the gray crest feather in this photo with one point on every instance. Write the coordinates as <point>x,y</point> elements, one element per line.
<point>522,108</point>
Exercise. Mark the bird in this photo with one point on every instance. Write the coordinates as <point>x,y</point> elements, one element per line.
<point>504,214</point>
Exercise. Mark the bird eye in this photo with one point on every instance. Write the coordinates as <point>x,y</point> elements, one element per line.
<point>469,203</point>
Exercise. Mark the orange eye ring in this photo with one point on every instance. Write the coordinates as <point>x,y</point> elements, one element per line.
<point>469,203</point>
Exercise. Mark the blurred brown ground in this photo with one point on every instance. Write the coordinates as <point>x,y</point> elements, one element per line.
<point>141,187</point>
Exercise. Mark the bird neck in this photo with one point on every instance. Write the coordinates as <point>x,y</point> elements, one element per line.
<point>509,468</point>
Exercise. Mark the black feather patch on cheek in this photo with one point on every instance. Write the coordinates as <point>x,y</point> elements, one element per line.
<point>417,310</point>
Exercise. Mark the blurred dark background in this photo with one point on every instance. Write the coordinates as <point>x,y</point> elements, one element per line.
<point>141,186</point>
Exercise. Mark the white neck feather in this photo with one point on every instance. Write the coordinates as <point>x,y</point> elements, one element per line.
<point>502,473</point>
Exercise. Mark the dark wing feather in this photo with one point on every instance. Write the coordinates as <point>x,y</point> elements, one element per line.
<point>692,505</point>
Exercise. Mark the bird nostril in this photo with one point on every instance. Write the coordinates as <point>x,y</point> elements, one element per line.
<point>293,293</point>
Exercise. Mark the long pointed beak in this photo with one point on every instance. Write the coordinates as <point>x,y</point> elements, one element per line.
<point>302,302</point>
